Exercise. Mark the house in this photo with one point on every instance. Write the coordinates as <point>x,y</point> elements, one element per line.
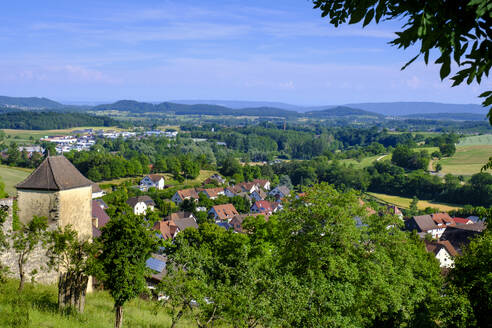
<point>223,212</point>
<point>394,210</point>
<point>157,265</point>
<point>244,194</point>
<point>213,193</point>
<point>233,191</point>
<point>443,219</point>
<point>443,251</point>
<point>97,192</point>
<point>262,184</point>
<point>181,195</point>
<point>461,221</point>
<point>424,224</point>
<point>183,220</point>
<point>265,207</point>
<point>216,178</point>
<point>141,204</point>
<point>99,219</point>
<point>459,236</point>
<point>237,221</point>
<point>280,192</point>
<point>100,203</point>
<point>152,181</point>
<point>248,187</point>
<point>167,229</point>
<point>259,195</point>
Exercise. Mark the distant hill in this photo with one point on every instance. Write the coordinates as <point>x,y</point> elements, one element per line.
<point>240,104</point>
<point>409,108</point>
<point>198,109</point>
<point>341,111</point>
<point>29,103</point>
<point>448,116</point>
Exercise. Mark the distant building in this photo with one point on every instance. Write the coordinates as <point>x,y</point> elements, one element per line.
<point>141,204</point>
<point>259,195</point>
<point>99,219</point>
<point>213,193</point>
<point>443,251</point>
<point>181,195</point>
<point>265,207</point>
<point>215,178</point>
<point>152,181</point>
<point>223,212</point>
<point>424,224</point>
<point>97,192</point>
<point>263,184</point>
<point>280,192</point>
<point>460,236</point>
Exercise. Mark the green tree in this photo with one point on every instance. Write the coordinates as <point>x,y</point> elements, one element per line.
<point>438,167</point>
<point>127,243</point>
<point>75,260</point>
<point>447,150</point>
<point>230,166</point>
<point>469,288</point>
<point>459,30</point>
<point>25,241</point>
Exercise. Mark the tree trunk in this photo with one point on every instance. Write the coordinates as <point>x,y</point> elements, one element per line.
<point>21,274</point>
<point>175,320</point>
<point>119,316</point>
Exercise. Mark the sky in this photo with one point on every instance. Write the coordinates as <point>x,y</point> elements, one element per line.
<point>256,50</point>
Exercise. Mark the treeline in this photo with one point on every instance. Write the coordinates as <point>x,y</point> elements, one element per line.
<point>385,177</point>
<point>29,120</point>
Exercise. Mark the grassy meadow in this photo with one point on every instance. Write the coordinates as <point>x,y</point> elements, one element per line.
<point>404,202</point>
<point>12,176</point>
<point>467,160</point>
<point>365,162</point>
<point>485,139</point>
<point>38,303</point>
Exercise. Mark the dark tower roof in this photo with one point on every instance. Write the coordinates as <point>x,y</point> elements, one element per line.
<point>55,173</point>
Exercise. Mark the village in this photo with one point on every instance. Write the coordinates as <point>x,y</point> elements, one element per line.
<point>58,191</point>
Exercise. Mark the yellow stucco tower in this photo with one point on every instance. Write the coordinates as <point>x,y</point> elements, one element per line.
<point>58,191</point>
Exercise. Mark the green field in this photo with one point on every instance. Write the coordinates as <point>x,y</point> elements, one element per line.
<point>39,304</point>
<point>365,162</point>
<point>485,139</point>
<point>12,176</point>
<point>404,202</point>
<point>467,160</point>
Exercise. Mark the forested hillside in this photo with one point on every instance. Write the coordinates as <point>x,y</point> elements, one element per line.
<point>51,120</point>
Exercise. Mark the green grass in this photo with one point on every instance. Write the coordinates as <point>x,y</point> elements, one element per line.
<point>365,162</point>
<point>12,176</point>
<point>39,304</point>
<point>485,139</point>
<point>404,202</point>
<point>467,160</point>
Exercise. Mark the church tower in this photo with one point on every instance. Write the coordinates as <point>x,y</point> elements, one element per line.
<point>58,191</point>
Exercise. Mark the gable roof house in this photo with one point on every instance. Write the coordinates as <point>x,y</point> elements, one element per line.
<point>152,181</point>
<point>223,212</point>
<point>215,178</point>
<point>443,219</point>
<point>167,229</point>
<point>259,195</point>
<point>213,193</point>
<point>262,183</point>
<point>462,221</point>
<point>424,224</point>
<point>460,236</point>
<point>181,195</point>
<point>394,210</point>
<point>265,207</point>
<point>141,204</point>
<point>232,191</point>
<point>443,251</point>
<point>99,219</point>
<point>183,220</point>
<point>237,221</point>
<point>280,192</point>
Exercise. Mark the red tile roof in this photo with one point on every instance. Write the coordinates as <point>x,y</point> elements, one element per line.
<point>225,211</point>
<point>167,228</point>
<point>188,193</point>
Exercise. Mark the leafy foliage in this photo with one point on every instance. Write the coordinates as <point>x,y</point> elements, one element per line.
<point>460,30</point>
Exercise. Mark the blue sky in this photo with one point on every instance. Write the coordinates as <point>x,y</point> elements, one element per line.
<point>222,49</point>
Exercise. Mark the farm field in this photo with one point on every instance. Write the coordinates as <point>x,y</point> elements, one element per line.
<point>404,202</point>
<point>12,176</point>
<point>39,302</point>
<point>485,139</point>
<point>467,160</point>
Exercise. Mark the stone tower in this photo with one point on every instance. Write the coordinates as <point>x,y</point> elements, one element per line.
<point>58,191</point>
